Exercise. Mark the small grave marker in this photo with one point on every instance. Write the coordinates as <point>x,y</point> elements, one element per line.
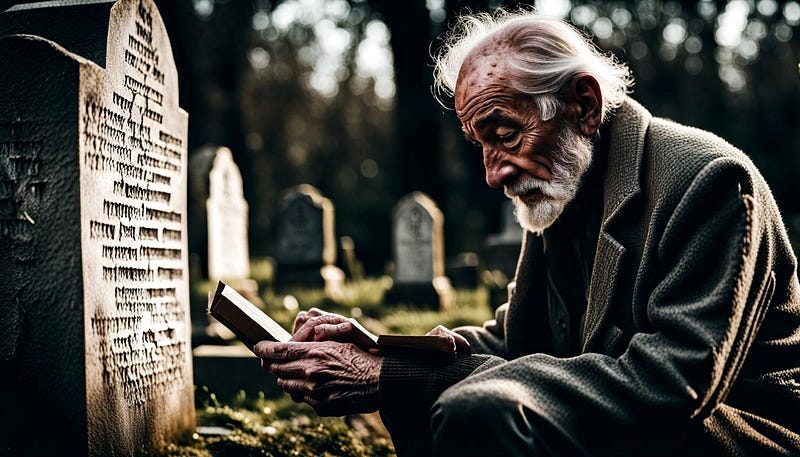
<point>418,253</point>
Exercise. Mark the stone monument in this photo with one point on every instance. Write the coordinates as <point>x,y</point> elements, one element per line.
<point>500,255</point>
<point>305,246</point>
<point>418,252</point>
<point>95,342</point>
<point>218,237</point>
<point>218,215</point>
<point>228,253</point>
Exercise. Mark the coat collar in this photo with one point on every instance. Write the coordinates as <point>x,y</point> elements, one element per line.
<point>622,182</point>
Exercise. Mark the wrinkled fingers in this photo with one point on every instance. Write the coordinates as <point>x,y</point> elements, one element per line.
<point>343,331</point>
<point>303,316</point>
<point>306,331</point>
<point>273,351</point>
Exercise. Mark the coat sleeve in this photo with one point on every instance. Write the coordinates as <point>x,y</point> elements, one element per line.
<point>490,338</point>
<point>410,385</point>
<point>716,261</point>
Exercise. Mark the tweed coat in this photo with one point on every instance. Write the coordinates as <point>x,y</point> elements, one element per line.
<point>691,339</point>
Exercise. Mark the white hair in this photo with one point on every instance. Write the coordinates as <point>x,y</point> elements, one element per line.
<point>546,53</point>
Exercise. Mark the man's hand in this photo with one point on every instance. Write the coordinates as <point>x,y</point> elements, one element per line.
<point>305,321</point>
<point>460,344</point>
<point>333,378</point>
<point>318,325</point>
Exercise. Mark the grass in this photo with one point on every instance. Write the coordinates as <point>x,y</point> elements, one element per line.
<point>279,427</point>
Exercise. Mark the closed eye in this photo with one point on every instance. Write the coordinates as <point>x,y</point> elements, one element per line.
<point>509,139</point>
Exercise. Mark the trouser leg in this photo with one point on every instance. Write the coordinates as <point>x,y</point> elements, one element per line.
<point>410,431</point>
<point>493,418</point>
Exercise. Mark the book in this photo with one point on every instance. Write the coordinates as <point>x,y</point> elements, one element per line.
<point>246,320</point>
<point>250,324</point>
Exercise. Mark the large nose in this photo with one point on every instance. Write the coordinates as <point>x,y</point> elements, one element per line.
<point>498,170</point>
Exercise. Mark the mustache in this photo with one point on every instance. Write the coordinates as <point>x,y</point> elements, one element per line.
<point>525,185</point>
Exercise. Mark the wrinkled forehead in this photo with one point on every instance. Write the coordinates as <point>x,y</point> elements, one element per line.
<point>484,67</point>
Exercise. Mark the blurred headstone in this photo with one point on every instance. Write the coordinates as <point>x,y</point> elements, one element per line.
<point>95,349</point>
<point>218,236</point>
<point>228,253</point>
<point>218,215</point>
<point>305,248</point>
<point>418,253</point>
<point>500,255</point>
<point>463,270</point>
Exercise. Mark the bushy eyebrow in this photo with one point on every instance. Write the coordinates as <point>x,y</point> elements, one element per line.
<point>493,117</point>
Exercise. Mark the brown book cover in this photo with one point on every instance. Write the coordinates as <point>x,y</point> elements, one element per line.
<point>414,342</point>
<point>243,318</point>
<point>251,325</point>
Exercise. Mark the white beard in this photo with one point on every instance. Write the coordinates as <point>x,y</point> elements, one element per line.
<point>571,159</point>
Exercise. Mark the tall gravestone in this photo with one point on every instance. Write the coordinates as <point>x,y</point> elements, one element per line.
<point>418,251</point>
<point>95,343</point>
<point>228,252</point>
<point>218,235</point>
<point>305,245</point>
<point>218,215</point>
<point>501,252</point>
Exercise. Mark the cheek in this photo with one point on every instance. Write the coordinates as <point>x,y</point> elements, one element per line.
<point>535,157</point>
<point>528,145</point>
<point>531,145</point>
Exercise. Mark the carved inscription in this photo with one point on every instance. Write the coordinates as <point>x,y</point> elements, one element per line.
<point>414,245</point>
<point>21,185</point>
<point>131,154</point>
<point>300,232</point>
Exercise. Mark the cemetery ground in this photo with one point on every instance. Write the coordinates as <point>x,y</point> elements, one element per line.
<point>263,425</point>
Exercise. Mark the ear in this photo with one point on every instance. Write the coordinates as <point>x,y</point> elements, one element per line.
<point>583,104</point>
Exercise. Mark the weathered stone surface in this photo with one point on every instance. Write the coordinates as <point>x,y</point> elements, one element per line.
<point>305,246</point>
<point>418,253</point>
<point>218,215</point>
<point>93,252</point>
<point>228,252</point>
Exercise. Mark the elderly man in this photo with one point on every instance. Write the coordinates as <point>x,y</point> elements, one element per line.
<point>656,308</point>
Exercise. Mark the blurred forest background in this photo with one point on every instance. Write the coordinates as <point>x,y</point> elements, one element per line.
<point>337,94</point>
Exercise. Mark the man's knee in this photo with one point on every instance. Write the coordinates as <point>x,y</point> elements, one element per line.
<point>470,406</point>
<point>495,417</point>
